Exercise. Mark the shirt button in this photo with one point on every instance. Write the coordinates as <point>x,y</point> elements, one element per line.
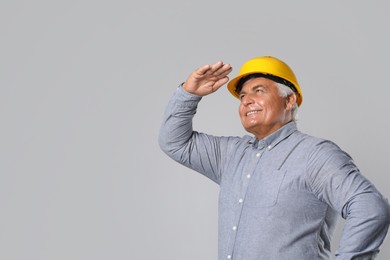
<point>248,176</point>
<point>258,155</point>
<point>234,228</point>
<point>229,257</point>
<point>240,200</point>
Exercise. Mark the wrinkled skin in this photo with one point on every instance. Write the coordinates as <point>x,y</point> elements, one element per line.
<point>262,110</point>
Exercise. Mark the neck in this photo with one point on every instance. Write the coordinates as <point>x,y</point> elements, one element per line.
<point>264,131</point>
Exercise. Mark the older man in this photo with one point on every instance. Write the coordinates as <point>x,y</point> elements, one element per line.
<point>281,190</point>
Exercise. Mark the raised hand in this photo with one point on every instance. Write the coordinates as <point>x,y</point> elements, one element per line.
<point>207,79</point>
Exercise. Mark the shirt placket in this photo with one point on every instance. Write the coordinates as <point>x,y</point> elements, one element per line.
<point>247,175</point>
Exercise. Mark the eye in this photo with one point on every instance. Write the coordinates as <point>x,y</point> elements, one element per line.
<point>241,96</point>
<point>259,90</point>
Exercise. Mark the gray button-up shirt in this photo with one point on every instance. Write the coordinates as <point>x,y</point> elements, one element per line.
<point>279,196</point>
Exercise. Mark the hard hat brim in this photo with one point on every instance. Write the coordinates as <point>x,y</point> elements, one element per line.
<point>232,84</point>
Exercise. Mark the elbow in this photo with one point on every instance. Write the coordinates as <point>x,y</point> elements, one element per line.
<point>378,208</point>
<point>369,206</point>
<point>168,146</point>
<point>380,218</point>
<point>386,211</point>
<point>377,212</point>
<point>173,144</point>
<point>164,145</point>
<point>383,210</point>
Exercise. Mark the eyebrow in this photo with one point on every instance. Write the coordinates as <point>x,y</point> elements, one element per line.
<point>253,87</point>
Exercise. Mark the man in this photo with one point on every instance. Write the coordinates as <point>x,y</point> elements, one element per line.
<point>281,190</point>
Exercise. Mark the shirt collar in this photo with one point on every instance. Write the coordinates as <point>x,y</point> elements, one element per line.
<point>276,137</point>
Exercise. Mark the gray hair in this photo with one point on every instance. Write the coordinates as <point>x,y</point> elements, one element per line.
<point>284,92</point>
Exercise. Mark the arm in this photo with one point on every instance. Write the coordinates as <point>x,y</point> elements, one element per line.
<point>338,182</point>
<point>366,225</point>
<point>177,139</point>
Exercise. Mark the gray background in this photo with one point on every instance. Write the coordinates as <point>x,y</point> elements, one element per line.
<point>83,88</point>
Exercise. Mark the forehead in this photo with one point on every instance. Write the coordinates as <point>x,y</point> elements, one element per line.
<point>258,82</point>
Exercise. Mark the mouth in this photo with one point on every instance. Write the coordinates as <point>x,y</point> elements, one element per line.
<point>252,112</point>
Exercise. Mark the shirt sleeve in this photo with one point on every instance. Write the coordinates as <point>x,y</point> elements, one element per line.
<point>198,151</point>
<point>338,182</point>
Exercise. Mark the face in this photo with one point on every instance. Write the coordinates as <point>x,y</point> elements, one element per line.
<point>262,110</point>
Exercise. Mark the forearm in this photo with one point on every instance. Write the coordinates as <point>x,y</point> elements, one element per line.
<point>176,129</point>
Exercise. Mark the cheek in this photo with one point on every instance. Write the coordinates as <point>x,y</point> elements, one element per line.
<point>240,111</point>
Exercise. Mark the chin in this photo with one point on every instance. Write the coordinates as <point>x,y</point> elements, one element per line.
<point>250,128</point>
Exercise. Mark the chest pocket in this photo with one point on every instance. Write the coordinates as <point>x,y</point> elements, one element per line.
<point>264,187</point>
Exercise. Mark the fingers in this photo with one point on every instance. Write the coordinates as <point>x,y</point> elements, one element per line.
<point>216,69</point>
<point>219,69</point>
<point>215,85</point>
<point>224,70</point>
<point>216,66</point>
<point>218,84</point>
<point>208,78</point>
<point>203,70</point>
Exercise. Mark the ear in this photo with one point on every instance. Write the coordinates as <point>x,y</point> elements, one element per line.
<point>290,101</point>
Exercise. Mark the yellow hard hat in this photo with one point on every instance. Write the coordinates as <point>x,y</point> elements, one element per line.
<point>272,68</point>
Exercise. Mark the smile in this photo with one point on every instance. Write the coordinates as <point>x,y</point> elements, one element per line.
<point>252,112</point>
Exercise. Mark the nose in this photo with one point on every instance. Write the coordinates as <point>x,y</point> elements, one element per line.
<point>247,100</point>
